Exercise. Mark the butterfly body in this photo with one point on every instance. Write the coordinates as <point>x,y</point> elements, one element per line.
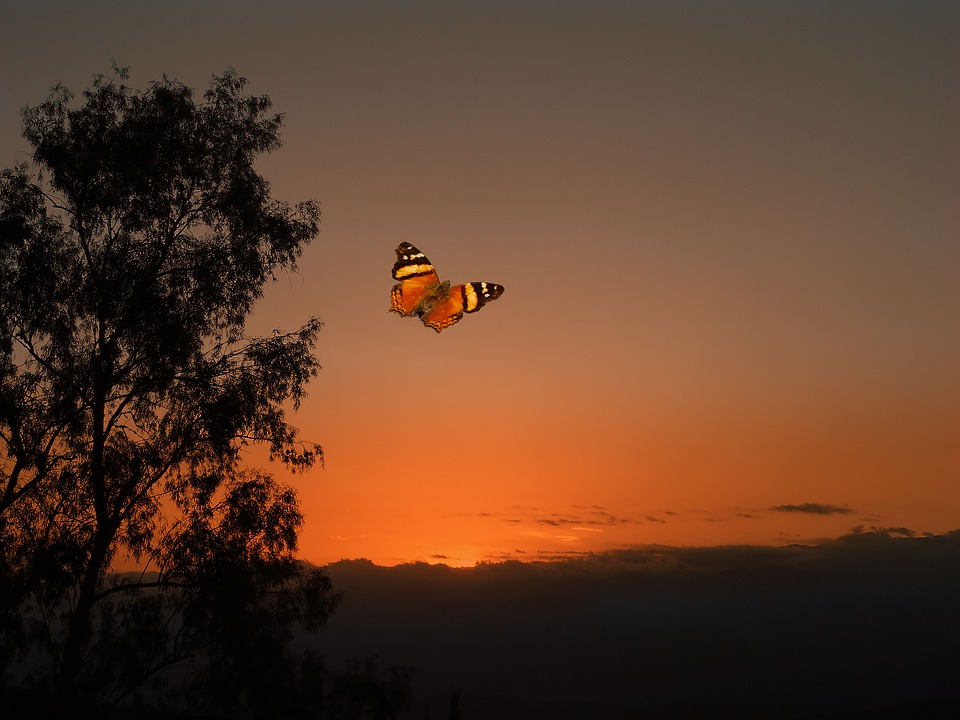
<point>420,291</point>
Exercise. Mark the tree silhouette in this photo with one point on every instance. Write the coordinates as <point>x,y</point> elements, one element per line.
<point>132,250</point>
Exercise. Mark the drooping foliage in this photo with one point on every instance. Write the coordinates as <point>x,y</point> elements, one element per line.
<point>132,250</point>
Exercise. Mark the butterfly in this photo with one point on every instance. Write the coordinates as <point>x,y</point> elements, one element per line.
<point>421,293</point>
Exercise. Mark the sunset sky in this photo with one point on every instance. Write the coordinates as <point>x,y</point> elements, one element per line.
<point>729,235</point>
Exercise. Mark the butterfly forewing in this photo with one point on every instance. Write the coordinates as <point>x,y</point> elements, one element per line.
<point>411,263</point>
<point>418,280</point>
<point>477,294</point>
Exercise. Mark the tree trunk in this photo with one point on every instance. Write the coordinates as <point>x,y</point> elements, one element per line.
<point>81,620</point>
<point>80,626</point>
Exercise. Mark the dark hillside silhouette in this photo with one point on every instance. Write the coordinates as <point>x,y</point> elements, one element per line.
<point>865,626</point>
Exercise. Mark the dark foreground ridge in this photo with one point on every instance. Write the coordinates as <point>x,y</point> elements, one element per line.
<point>866,626</point>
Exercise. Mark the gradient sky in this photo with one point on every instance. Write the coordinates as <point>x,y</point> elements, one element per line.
<point>729,235</point>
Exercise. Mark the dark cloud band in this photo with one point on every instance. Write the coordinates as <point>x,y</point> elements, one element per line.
<point>813,509</point>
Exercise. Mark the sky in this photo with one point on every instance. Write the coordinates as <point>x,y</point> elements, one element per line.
<point>728,233</point>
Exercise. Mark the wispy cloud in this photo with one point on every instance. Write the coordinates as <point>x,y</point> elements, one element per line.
<point>588,515</point>
<point>813,509</point>
<point>559,521</point>
<point>889,531</point>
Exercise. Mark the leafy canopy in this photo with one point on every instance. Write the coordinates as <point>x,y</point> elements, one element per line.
<point>132,250</point>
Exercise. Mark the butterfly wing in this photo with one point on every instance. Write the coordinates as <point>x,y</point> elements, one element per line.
<point>419,291</point>
<point>465,298</point>
<point>418,281</point>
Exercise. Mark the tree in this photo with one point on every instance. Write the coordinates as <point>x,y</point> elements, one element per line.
<point>131,253</point>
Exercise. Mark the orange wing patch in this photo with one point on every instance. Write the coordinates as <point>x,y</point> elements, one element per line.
<point>421,293</point>
<point>408,296</point>
<point>447,311</point>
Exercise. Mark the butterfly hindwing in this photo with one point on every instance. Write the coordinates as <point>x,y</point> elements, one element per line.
<point>447,311</point>
<point>407,297</point>
<point>460,299</point>
<point>421,293</point>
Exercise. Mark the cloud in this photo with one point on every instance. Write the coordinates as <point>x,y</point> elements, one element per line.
<point>592,515</point>
<point>558,522</point>
<point>813,509</point>
<point>886,531</point>
<point>905,532</point>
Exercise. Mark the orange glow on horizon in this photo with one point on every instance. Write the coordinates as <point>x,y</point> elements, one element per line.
<point>529,497</point>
